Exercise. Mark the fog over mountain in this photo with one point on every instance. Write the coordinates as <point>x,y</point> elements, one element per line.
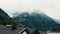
<point>49,7</point>
<point>33,15</point>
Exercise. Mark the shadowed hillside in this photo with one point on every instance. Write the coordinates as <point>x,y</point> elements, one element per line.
<point>5,19</point>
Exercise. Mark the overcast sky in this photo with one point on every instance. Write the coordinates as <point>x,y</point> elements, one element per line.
<point>49,7</point>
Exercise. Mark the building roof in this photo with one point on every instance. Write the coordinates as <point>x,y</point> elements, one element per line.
<point>9,31</point>
<point>8,25</point>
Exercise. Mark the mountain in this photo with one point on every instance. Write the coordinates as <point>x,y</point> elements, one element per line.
<point>36,20</point>
<point>2,12</point>
<point>58,21</point>
<point>5,19</point>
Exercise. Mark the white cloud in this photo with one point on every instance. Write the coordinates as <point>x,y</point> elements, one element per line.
<point>49,7</point>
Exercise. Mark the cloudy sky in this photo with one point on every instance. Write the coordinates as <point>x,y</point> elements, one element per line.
<point>49,7</point>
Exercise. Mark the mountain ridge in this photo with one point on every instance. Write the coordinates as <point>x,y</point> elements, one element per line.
<point>36,20</point>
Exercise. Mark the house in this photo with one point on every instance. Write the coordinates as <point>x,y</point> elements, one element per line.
<point>24,31</point>
<point>17,31</point>
<point>10,31</point>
